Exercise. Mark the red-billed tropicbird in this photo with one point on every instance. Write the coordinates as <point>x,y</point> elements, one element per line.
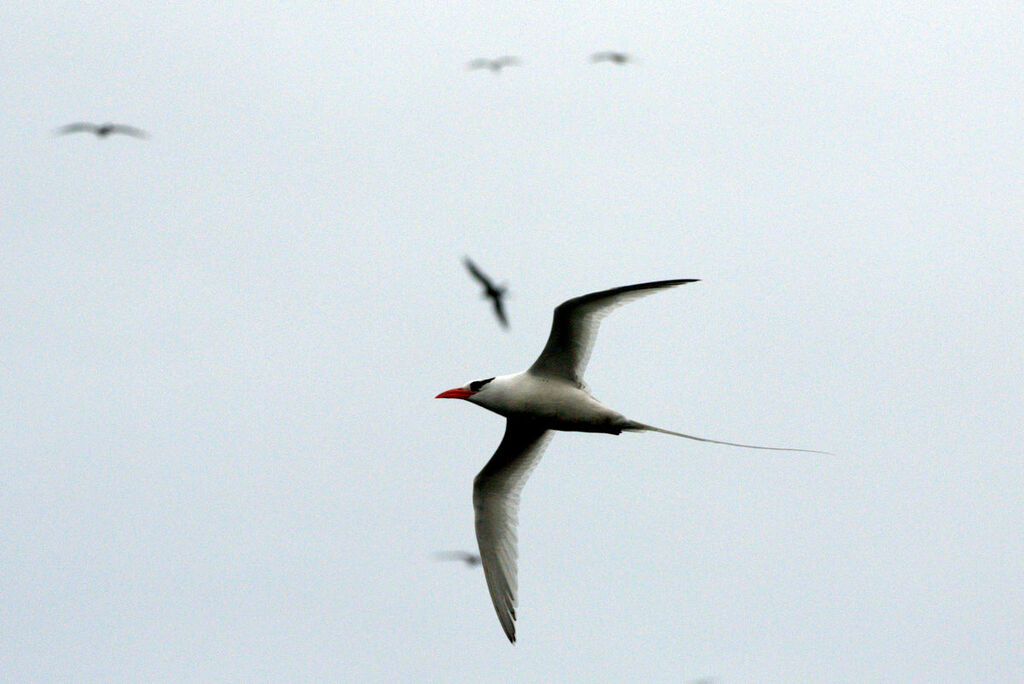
<point>549,395</point>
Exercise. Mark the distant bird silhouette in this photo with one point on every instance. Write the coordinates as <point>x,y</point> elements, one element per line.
<point>470,559</point>
<point>491,291</point>
<point>101,130</point>
<point>496,64</point>
<point>614,57</point>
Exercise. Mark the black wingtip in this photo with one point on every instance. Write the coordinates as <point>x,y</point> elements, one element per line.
<point>672,282</point>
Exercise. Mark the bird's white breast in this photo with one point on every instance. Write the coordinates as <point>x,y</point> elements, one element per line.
<point>558,404</point>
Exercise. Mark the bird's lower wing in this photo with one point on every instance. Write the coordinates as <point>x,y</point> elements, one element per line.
<point>496,502</point>
<point>575,324</point>
<point>499,311</point>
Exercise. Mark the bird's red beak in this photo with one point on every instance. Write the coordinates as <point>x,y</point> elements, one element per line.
<point>457,393</point>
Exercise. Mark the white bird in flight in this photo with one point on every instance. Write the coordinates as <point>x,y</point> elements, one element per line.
<point>549,395</point>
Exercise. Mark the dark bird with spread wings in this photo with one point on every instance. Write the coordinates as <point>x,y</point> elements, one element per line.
<point>496,64</point>
<point>613,57</point>
<point>548,396</point>
<point>470,559</point>
<point>491,291</point>
<point>101,130</point>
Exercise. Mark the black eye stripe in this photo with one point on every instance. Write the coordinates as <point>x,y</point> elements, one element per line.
<point>477,385</point>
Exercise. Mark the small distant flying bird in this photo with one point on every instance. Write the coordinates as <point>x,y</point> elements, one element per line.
<point>470,559</point>
<point>496,64</point>
<point>491,291</point>
<point>614,57</point>
<point>549,395</point>
<point>101,130</point>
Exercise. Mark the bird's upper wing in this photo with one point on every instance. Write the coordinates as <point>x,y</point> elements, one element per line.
<point>508,60</point>
<point>575,326</point>
<point>477,273</point>
<point>499,311</point>
<point>496,501</point>
<point>128,130</point>
<point>76,128</point>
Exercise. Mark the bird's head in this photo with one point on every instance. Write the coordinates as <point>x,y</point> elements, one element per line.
<point>467,391</point>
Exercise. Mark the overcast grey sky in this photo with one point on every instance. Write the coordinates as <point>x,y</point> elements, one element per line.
<point>220,456</point>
